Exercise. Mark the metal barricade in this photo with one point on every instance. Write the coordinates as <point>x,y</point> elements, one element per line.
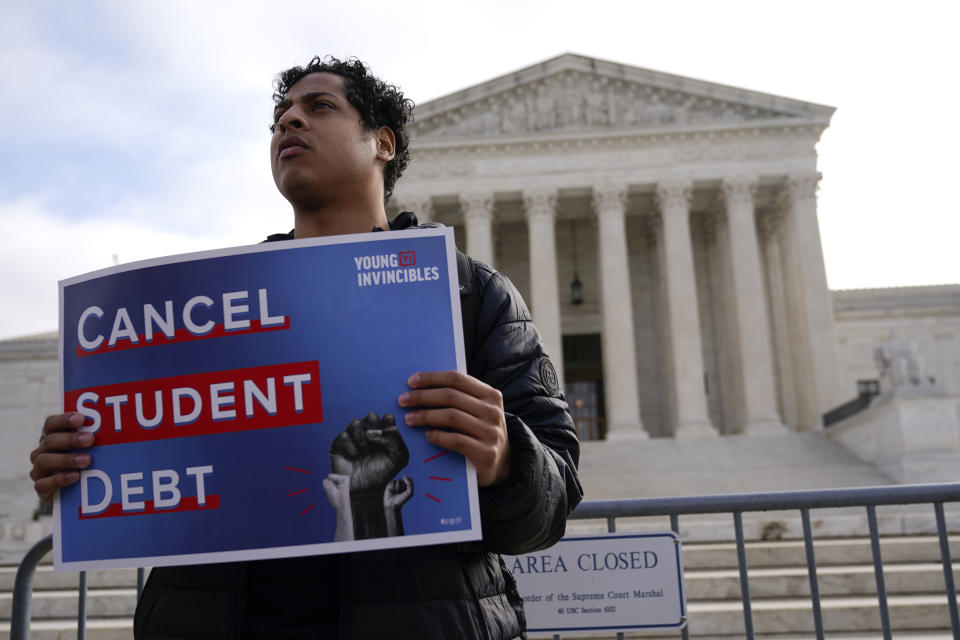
<point>803,501</point>
<point>23,590</point>
<point>610,510</point>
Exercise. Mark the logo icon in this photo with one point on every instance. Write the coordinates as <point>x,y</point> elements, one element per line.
<point>549,377</point>
<point>408,258</point>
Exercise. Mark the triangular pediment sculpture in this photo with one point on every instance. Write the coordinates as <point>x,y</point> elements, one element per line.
<point>573,93</point>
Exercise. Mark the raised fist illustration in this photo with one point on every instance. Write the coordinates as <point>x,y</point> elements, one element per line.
<point>398,492</point>
<point>395,496</point>
<point>371,452</point>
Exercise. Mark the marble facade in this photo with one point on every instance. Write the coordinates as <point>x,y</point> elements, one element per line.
<point>927,318</point>
<point>687,211</point>
<point>696,235</point>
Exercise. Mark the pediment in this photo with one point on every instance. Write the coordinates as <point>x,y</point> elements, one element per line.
<point>573,93</point>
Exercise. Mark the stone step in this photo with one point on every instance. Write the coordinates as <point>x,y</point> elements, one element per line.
<point>46,578</point>
<point>777,571</point>
<point>696,555</point>
<point>701,585</point>
<point>842,551</point>
<point>848,613</point>
<point>66,629</point>
<point>835,635</point>
<point>854,617</point>
<point>724,584</point>
<point>668,467</point>
<point>849,618</point>
<point>122,629</point>
<point>101,603</point>
<point>787,525</point>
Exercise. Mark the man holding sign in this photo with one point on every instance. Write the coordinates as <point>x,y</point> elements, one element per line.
<point>339,144</point>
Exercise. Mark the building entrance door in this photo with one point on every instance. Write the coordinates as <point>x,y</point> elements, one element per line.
<point>583,368</point>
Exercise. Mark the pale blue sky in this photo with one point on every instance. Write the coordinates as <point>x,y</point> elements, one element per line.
<point>140,128</point>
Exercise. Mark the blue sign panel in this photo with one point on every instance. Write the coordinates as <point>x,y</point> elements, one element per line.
<point>244,403</point>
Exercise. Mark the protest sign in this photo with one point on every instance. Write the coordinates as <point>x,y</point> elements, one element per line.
<point>220,387</point>
<point>613,582</point>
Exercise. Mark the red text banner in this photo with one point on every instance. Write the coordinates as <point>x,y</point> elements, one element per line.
<point>189,503</point>
<point>200,404</point>
<point>182,335</point>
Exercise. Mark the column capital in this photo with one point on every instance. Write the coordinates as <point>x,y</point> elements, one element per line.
<point>419,203</point>
<point>540,201</point>
<point>673,194</point>
<point>477,204</point>
<point>738,190</point>
<point>609,197</point>
<point>801,186</point>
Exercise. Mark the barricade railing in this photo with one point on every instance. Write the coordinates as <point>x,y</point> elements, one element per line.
<point>803,501</point>
<point>611,510</point>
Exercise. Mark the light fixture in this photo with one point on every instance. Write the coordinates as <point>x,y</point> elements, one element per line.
<point>576,287</point>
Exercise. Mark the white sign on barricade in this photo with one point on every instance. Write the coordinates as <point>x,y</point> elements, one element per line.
<point>613,582</point>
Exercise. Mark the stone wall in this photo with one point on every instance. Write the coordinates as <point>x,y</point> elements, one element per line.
<point>29,391</point>
<point>926,317</point>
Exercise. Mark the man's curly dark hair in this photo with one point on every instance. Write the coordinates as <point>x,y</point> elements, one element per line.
<point>378,103</point>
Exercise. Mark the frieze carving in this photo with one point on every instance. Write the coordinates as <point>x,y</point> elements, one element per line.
<point>647,150</point>
<point>576,101</point>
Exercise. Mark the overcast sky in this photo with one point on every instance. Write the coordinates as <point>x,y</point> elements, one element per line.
<point>135,129</point>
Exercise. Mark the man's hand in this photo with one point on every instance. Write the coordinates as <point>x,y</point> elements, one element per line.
<point>469,414</point>
<point>52,468</point>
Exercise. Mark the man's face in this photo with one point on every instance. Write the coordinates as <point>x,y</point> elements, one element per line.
<point>321,151</point>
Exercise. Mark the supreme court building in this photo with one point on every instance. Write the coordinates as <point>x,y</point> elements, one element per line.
<point>663,231</point>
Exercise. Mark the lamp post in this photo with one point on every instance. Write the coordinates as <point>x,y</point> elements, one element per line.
<point>576,287</point>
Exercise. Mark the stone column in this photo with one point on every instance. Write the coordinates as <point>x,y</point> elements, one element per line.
<point>418,203</point>
<point>809,304</point>
<point>540,208</point>
<point>769,226</point>
<point>751,327</point>
<point>684,347</point>
<point>617,343</point>
<point>477,207</point>
<point>945,346</point>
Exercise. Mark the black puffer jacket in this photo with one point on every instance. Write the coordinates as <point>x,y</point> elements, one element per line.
<point>447,591</point>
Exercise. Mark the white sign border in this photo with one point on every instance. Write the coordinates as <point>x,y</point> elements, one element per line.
<point>413,540</point>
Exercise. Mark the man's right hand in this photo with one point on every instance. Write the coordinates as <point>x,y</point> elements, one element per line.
<point>52,466</point>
